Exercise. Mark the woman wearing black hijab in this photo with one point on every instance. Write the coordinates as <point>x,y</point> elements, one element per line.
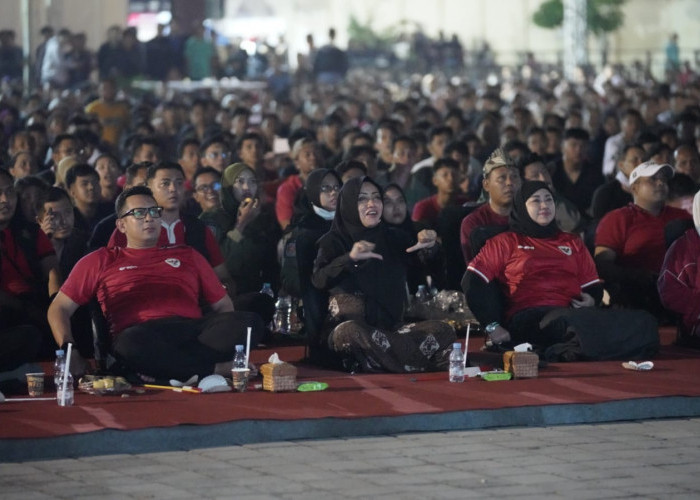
<point>396,215</point>
<point>362,262</point>
<point>521,275</point>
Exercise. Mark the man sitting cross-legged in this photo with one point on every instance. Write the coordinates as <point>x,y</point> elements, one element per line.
<point>150,297</point>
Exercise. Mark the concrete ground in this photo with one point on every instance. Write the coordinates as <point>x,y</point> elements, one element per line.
<point>646,459</point>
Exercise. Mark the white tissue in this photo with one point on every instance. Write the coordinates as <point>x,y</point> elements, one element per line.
<point>274,359</point>
<point>523,347</point>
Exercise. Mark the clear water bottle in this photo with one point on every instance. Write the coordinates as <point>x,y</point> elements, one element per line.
<point>59,365</point>
<point>456,363</point>
<point>69,389</point>
<point>239,371</point>
<point>283,312</point>
<point>267,290</point>
<point>422,295</point>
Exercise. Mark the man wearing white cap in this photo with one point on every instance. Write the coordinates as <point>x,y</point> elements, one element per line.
<point>630,243</point>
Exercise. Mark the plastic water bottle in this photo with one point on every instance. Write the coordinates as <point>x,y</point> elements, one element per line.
<point>422,295</point>
<point>283,312</point>
<point>267,290</point>
<point>239,371</point>
<point>456,363</point>
<point>69,389</point>
<point>59,365</point>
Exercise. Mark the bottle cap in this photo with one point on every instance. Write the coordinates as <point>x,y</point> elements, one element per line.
<point>239,347</point>
<point>457,345</point>
<point>60,352</point>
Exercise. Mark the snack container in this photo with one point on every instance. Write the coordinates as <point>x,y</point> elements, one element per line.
<point>521,364</point>
<point>278,377</point>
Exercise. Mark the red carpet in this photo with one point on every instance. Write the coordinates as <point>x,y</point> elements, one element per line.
<point>358,396</point>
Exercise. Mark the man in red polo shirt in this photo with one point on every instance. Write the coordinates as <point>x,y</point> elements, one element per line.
<point>150,297</point>
<point>630,244</point>
<point>445,176</point>
<point>501,181</point>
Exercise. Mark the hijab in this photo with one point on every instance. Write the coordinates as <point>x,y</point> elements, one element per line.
<point>407,224</point>
<point>382,282</point>
<point>696,211</point>
<point>347,223</point>
<point>520,221</point>
<point>228,200</point>
<point>313,191</point>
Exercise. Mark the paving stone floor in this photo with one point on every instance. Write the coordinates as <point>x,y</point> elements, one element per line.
<point>657,459</point>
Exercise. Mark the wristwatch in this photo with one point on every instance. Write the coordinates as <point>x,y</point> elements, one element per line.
<point>491,327</point>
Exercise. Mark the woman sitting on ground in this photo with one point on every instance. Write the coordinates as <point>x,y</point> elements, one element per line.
<point>521,275</point>
<point>362,262</point>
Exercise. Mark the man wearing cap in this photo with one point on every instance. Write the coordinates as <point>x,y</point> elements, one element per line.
<point>150,297</point>
<point>501,181</point>
<point>630,242</point>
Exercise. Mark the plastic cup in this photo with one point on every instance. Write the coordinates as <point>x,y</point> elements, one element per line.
<point>239,378</point>
<point>35,384</point>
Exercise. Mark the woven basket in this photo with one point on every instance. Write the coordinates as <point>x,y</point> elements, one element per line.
<point>279,377</point>
<point>521,364</point>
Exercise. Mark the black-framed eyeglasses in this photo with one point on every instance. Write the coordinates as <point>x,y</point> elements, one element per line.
<point>140,213</point>
<point>327,188</point>
<point>205,188</point>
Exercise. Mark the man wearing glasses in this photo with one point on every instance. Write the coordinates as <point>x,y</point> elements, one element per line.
<point>150,296</point>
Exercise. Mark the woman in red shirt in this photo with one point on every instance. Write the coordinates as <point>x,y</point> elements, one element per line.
<point>521,275</point>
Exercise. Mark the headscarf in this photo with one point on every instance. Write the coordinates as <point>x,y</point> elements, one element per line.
<point>379,280</point>
<point>313,190</point>
<point>520,221</point>
<point>347,223</point>
<point>407,224</point>
<point>696,211</point>
<point>228,200</point>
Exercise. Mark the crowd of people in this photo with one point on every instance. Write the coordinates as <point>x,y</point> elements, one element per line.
<point>162,219</point>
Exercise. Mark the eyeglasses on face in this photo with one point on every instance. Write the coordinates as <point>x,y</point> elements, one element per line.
<point>140,213</point>
<point>206,188</point>
<point>327,188</point>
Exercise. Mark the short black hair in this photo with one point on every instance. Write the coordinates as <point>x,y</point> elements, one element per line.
<point>79,170</point>
<point>124,195</point>
<point>346,165</point>
<point>53,193</point>
<point>63,137</point>
<point>163,165</point>
<point>440,130</point>
<point>405,138</point>
<point>445,163</point>
<point>681,185</point>
<point>211,140</point>
<point>184,143</point>
<point>133,170</point>
<point>456,146</point>
<point>578,134</point>
<point>356,151</point>
<point>247,136</point>
<point>202,171</point>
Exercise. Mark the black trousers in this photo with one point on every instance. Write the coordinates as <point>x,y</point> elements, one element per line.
<point>524,326</point>
<point>181,347</point>
<point>20,344</point>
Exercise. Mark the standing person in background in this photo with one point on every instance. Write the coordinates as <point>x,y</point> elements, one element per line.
<point>111,54</point>
<point>114,115</point>
<point>200,55</point>
<point>46,34</point>
<point>331,63</point>
<point>673,57</point>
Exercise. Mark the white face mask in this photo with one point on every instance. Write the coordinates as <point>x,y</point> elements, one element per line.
<point>323,213</point>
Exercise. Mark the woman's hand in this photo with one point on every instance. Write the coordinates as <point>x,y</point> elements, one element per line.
<point>247,211</point>
<point>499,335</point>
<point>362,250</point>
<point>585,301</point>
<point>426,239</point>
